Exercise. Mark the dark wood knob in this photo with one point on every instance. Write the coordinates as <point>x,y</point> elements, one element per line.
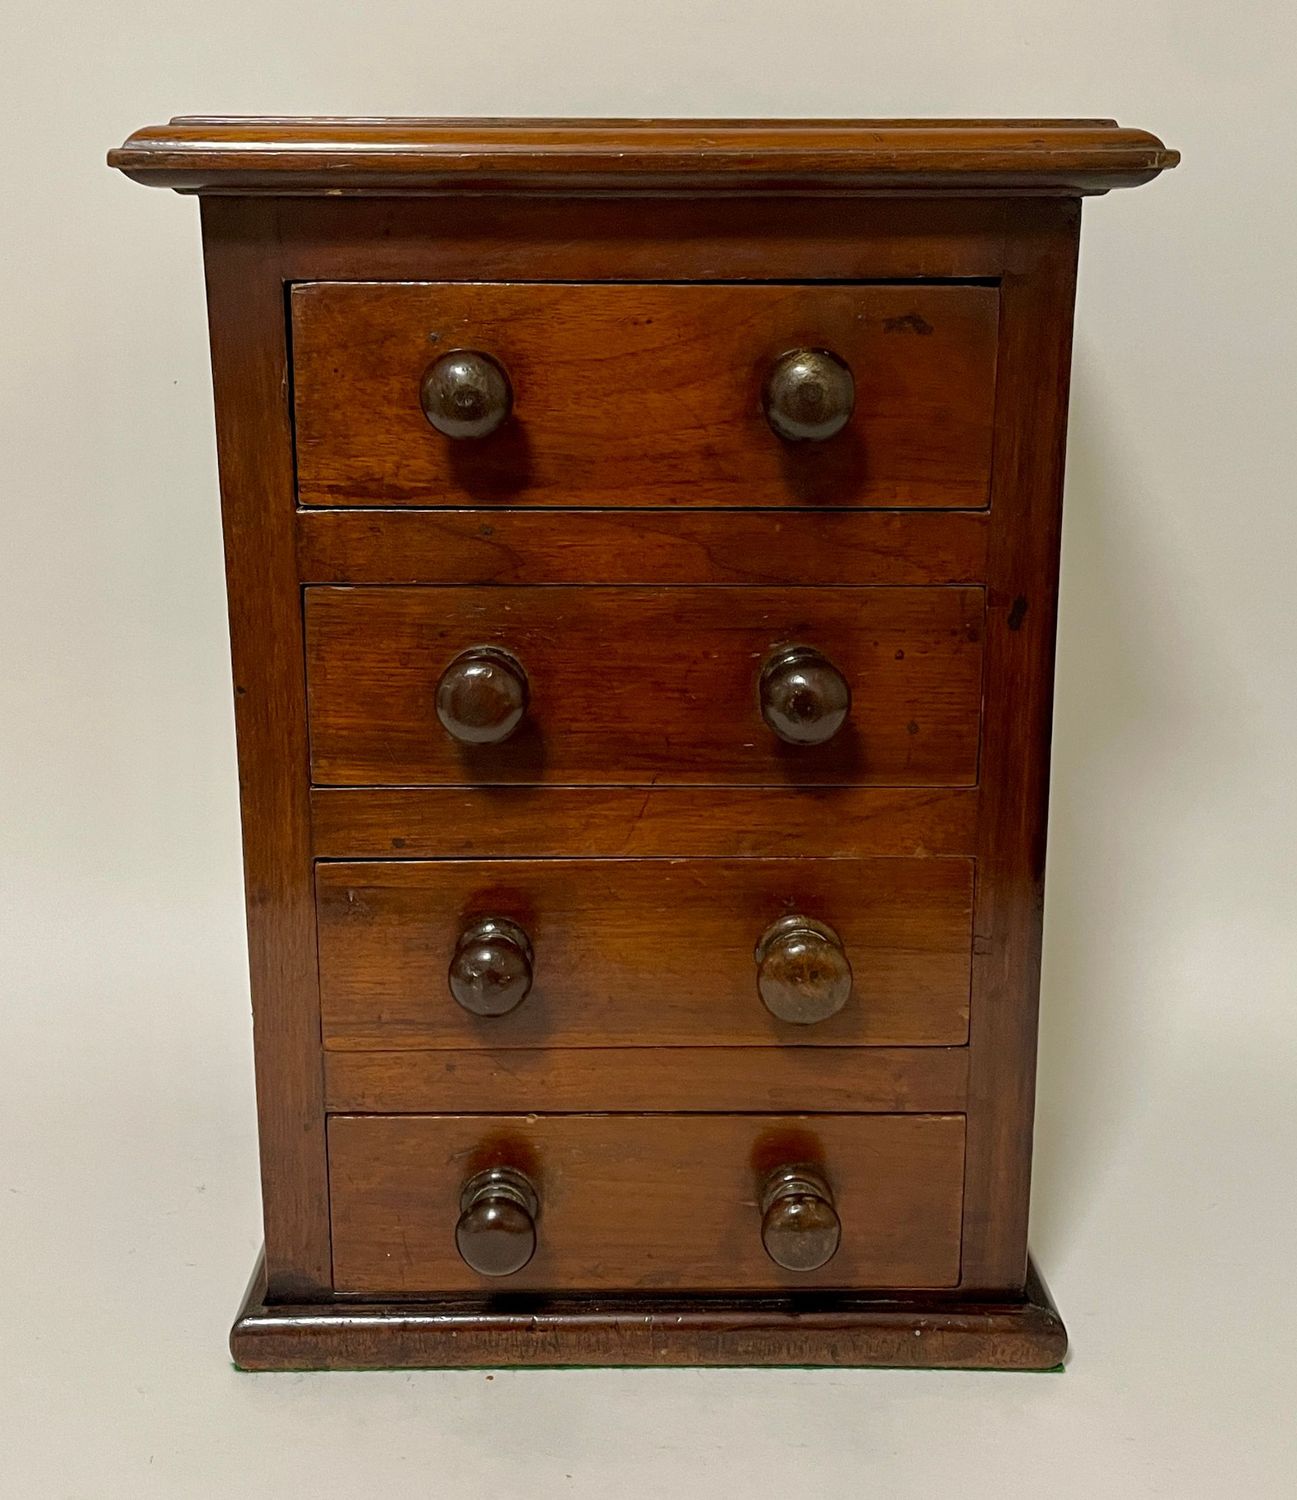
<point>490,973</point>
<point>466,394</point>
<point>496,1232</point>
<point>804,698</point>
<point>800,1227</point>
<point>809,395</point>
<point>803,974</point>
<point>482,696</point>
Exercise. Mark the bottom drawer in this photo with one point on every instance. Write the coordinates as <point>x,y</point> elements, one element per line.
<point>617,1202</point>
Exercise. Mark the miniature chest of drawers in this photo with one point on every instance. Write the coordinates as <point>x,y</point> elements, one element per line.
<point>642,548</point>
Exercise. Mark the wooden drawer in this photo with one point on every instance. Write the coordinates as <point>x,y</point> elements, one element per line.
<point>644,1201</point>
<point>644,395</point>
<point>642,952</point>
<point>644,685</point>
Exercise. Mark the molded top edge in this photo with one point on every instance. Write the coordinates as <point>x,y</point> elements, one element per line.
<point>325,155</point>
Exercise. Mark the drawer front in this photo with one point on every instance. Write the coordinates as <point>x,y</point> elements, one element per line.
<point>670,1202</point>
<point>643,395</point>
<point>644,685</point>
<point>653,952</point>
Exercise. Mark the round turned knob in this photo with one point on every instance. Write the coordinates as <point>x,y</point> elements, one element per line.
<point>804,698</point>
<point>800,1227</point>
<point>809,395</point>
<point>803,974</point>
<point>490,973</point>
<point>466,394</point>
<point>482,696</point>
<point>496,1232</point>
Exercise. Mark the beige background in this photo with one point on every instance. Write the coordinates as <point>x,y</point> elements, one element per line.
<point>1164,1205</point>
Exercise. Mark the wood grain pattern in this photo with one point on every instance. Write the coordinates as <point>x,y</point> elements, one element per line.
<point>665,547</point>
<point>217,153</point>
<point>632,395</point>
<point>645,953</point>
<point>819,1080</point>
<point>630,213</point>
<point>612,702</point>
<point>476,238</point>
<point>799,1329</point>
<point>1036,342</point>
<point>249,369</point>
<point>644,1201</point>
<point>642,823</point>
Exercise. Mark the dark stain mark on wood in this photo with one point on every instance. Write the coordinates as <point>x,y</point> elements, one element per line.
<point>911,322</point>
<point>1017,613</point>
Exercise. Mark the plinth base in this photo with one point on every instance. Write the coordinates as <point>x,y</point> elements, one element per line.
<point>936,1332</point>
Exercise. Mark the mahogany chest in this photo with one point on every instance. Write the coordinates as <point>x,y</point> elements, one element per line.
<point>642,546</point>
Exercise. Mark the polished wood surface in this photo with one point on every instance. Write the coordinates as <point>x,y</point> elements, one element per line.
<point>466,395</point>
<point>800,1226</point>
<point>667,547</point>
<point>490,971</point>
<point>609,704</point>
<point>633,395</point>
<point>803,973</point>
<point>658,509</point>
<point>809,395</point>
<point>482,696</point>
<point>495,1233</point>
<point>645,1201</point>
<point>250,377</point>
<point>642,822</point>
<point>471,237</point>
<point>804,698</point>
<point>894,1331</point>
<point>632,952</point>
<point>224,153</point>
<point>1022,578</point>
<point>833,1080</point>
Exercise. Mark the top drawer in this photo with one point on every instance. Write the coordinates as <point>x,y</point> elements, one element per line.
<point>644,395</point>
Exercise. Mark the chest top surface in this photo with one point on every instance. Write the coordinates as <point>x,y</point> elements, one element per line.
<point>332,155</point>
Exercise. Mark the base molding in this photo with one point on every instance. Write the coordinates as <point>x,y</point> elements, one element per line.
<point>934,1332</point>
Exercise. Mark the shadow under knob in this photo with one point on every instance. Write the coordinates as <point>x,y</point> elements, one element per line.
<point>496,1232</point>
<point>803,973</point>
<point>800,1228</point>
<point>490,973</point>
<point>805,700</point>
<point>466,394</point>
<point>482,696</point>
<point>809,395</point>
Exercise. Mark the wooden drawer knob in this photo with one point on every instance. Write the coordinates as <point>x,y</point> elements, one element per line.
<point>482,696</point>
<point>800,1227</point>
<point>466,394</point>
<point>805,700</point>
<point>809,395</point>
<point>490,973</point>
<point>496,1232</point>
<point>803,974</point>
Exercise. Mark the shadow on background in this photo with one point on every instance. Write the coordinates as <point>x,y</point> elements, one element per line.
<point>1127,776</point>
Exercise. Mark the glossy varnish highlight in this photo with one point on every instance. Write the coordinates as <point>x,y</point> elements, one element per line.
<point>643,396</point>
<point>644,686</point>
<point>651,1202</point>
<point>222,154</point>
<point>642,952</point>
